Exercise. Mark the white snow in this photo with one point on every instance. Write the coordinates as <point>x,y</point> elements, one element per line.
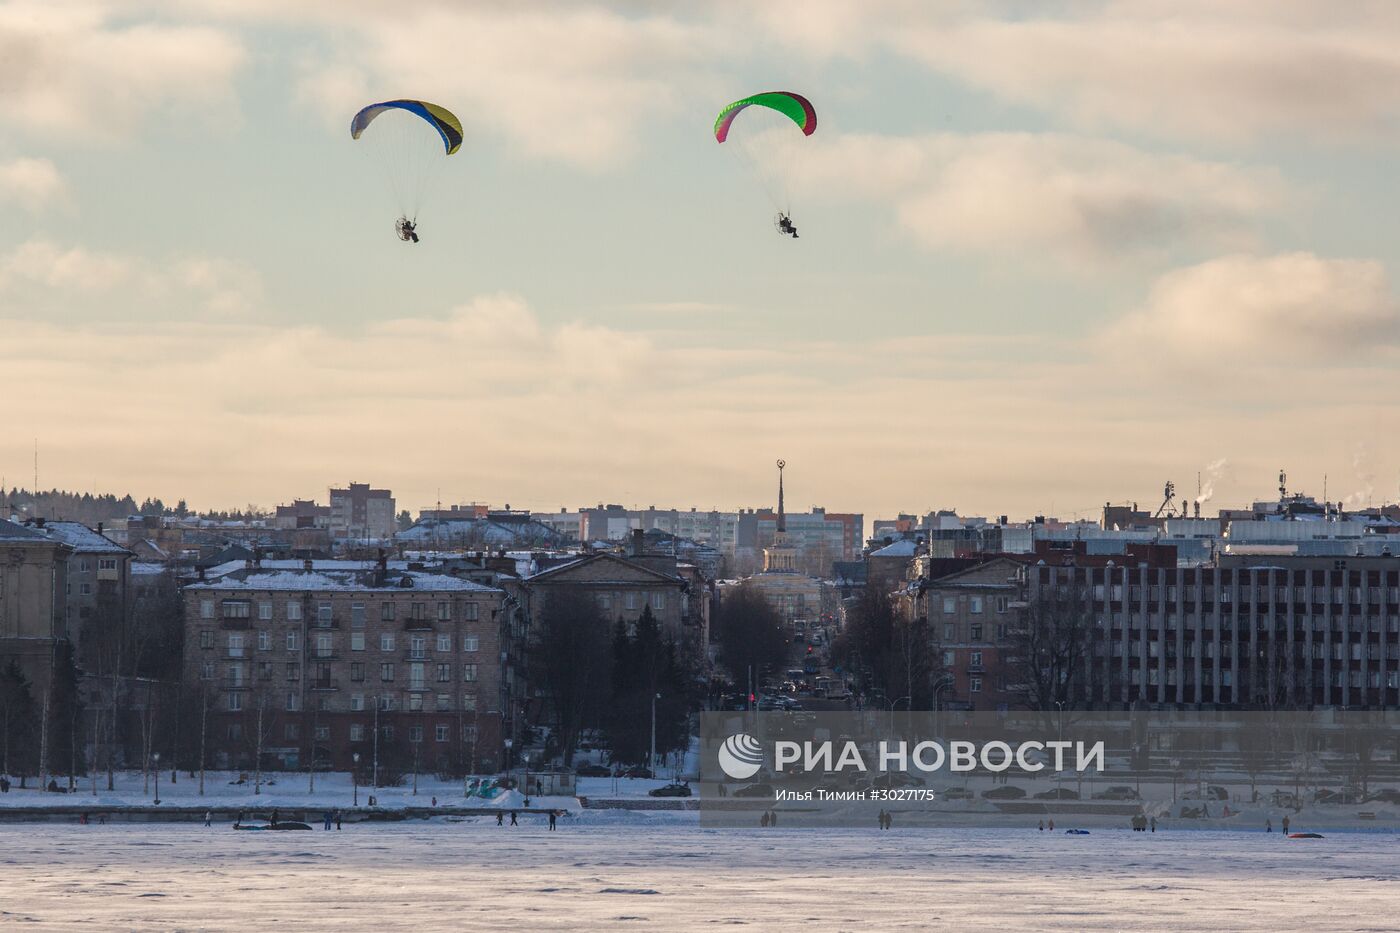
<point>661,872</point>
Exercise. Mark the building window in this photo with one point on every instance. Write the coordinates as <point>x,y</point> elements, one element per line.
<point>386,612</point>
<point>235,731</point>
<point>323,733</point>
<point>950,632</point>
<point>976,659</point>
<point>323,615</point>
<point>294,641</point>
<point>415,702</point>
<point>85,589</point>
<point>444,611</point>
<point>235,702</point>
<point>293,671</point>
<point>417,646</point>
<point>386,733</point>
<point>468,672</point>
<point>386,641</point>
<point>293,610</point>
<point>206,608</point>
<point>206,670</point>
<point>469,702</point>
<point>604,600</point>
<point>415,734</point>
<point>206,639</point>
<point>357,641</point>
<point>469,732</point>
<point>470,642</point>
<point>950,605</point>
<point>357,732</point>
<point>444,673</point>
<point>976,628</point>
<point>386,672</point>
<point>418,611</point>
<point>975,605</point>
<point>291,731</point>
<point>265,670</point>
<point>975,685</point>
<point>235,644</point>
<point>630,601</point>
<point>415,676</point>
<point>472,611</point>
<point>323,645</point>
<point>265,611</point>
<point>658,601</point>
<point>1001,604</point>
<point>357,615</point>
<point>357,670</point>
<point>444,702</point>
<point>357,702</point>
<point>441,732</point>
<point>444,643</point>
<point>233,608</point>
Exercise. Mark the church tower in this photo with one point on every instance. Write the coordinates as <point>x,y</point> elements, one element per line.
<point>780,556</point>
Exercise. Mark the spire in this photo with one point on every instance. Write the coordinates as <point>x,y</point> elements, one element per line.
<point>782,520</point>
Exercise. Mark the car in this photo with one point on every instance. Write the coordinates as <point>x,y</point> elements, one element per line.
<point>1117,792</point>
<point>1282,798</point>
<point>636,771</point>
<point>1058,793</point>
<point>671,790</point>
<point>1005,792</point>
<point>957,793</point>
<point>1210,792</point>
<point>755,790</point>
<point>1384,795</point>
<point>1346,795</point>
<point>592,771</point>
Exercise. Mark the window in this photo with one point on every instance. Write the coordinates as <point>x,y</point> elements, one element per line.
<point>949,658</point>
<point>235,731</point>
<point>84,566</point>
<point>235,644</point>
<point>1001,604</point>
<point>206,670</point>
<point>415,702</point>
<point>415,733</point>
<point>206,639</point>
<point>293,671</point>
<point>323,615</point>
<point>293,610</point>
<point>415,676</point>
<point>444,611</point>
<point>469,702</point>
<point>357,615</point>
<point>386,641</point>
<point>658,601</point>
<point>468,732</point>
<point>975,685</point>
<point>976,631</point>
<point>444,673</point>
<point>444,702</point>
<point>323,645</point>
<point>604,600</point>
<point>444,643</point>
<point>418,611</point>
<point>294,641</point>
<point>357,702</point>
<point>386,611</point>
<point>291,731</point>
<point>265,611</point>
<point>386,672</point>
<point>264,640</point>
<point>265,670</point>
<point>357,732</point>
<point>472,611</point>
<point>357,670</point>
<point>357,641</point>
<point>323,733</point>
<point>206,608</point>
<point>950,632</point>
<point>468,672</point>
<point>440,732</point>
<point>470,642</point>
<point>417,645</point>
<point>235,702</point>
<point>976,659</point>
<point>85,589</point>
<point>630,601</point>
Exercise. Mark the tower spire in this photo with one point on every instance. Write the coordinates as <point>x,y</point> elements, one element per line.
<point>782,519</point>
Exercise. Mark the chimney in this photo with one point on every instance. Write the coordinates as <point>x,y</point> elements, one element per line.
<point>201,574</point>
<point>638,542</point>
<point>99,528</point>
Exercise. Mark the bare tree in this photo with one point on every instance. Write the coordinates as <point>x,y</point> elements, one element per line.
<point>1049,645</point>
<point>571,657</point>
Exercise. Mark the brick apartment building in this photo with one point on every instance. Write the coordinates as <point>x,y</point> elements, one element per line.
<point>321,654</point>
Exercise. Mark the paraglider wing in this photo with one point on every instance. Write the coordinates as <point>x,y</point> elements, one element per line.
<point>794,106</point>
<point>439,118</point>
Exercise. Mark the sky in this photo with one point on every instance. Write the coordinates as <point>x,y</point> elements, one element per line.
<point>1051,254</point>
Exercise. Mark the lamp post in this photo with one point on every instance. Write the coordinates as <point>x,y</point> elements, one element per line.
<point>355,775</point>
<point>651,762</point>
<point>1059,736</point>
<point>508,743</point>
<point>156,757</point>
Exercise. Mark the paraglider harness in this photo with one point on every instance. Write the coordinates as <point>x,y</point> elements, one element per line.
<point>405,229</point>
<point>784,225</point>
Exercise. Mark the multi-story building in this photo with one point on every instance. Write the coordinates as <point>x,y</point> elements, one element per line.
<point>971,613</point>
<point>359,513</point>
<point>302,513</point>
<point>411,668</point>
<point>1248,630</point>
<point>33,599</point>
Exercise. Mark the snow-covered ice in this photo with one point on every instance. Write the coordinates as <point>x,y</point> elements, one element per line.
<point>621,869</point>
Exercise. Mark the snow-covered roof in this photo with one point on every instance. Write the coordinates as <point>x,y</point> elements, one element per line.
<point>14,531</point>
<point>76,535</point>
<point>148,568</point>
<point>904,548</point>
<point>220,570</point>
<point>267,579</point>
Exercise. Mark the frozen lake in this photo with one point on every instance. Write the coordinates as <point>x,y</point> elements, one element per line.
<point>625,870</point>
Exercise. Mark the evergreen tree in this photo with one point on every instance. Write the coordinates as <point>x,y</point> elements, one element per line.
<point>19,723</point>
<point>65,714</point>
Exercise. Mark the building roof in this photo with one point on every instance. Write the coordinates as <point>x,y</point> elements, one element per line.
<point>14,531</point>
<point>81,538</point>
<point>544,575</point>
<point>904,548</point>
<point>266,579</point>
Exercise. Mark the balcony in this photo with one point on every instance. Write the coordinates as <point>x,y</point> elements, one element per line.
<point>325,683</point>
<point>418,625</point>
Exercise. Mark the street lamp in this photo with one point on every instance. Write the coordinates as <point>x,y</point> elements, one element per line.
<point>508,742</point>
<point>156,757</point>
<point>355,775</point>
<point>1059,736</point>
<point>651,762</point>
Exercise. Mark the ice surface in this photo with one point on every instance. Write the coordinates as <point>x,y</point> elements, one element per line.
<point>660,871</point>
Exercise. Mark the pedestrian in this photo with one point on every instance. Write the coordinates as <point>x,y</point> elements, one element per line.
<point>238,821</point>
<point>763,820</point>
<point>337,819</point>
<point>539,788</point>
<point>327,817</point>
<point>1042,826</point>
<point>773,818</point>
<point>275,816</point>
<point>889,820</point>
<point>208,818</point>
<point>1052,825</point>
<point>880,818</point>
<point>1268,826</point>
<point>513,820</point>
<point>500,818</point>
<point>1154,824</point>
<point>553,817</point>
<point>1285,825</point>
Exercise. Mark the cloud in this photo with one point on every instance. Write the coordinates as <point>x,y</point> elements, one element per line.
<point>41,277</point>
<point>1081,201</point>
<point>31,183</point>
<point>69,69</point>
<point>1234,72</point>
<point>1251,307</point>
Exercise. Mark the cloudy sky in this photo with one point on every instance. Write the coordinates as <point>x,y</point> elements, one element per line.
<point>1052,254</point>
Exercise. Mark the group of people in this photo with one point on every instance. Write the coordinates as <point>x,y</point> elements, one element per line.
<point>886,819</point>
<point>1142,823</point>
<point>514,821</point>
<point>1269,825</point>
<point>769,818</point>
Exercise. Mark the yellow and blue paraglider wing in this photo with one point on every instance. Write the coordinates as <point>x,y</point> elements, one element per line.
<point>439,118</point>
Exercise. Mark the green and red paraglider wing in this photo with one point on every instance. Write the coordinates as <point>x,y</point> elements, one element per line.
<point>794,106</point>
